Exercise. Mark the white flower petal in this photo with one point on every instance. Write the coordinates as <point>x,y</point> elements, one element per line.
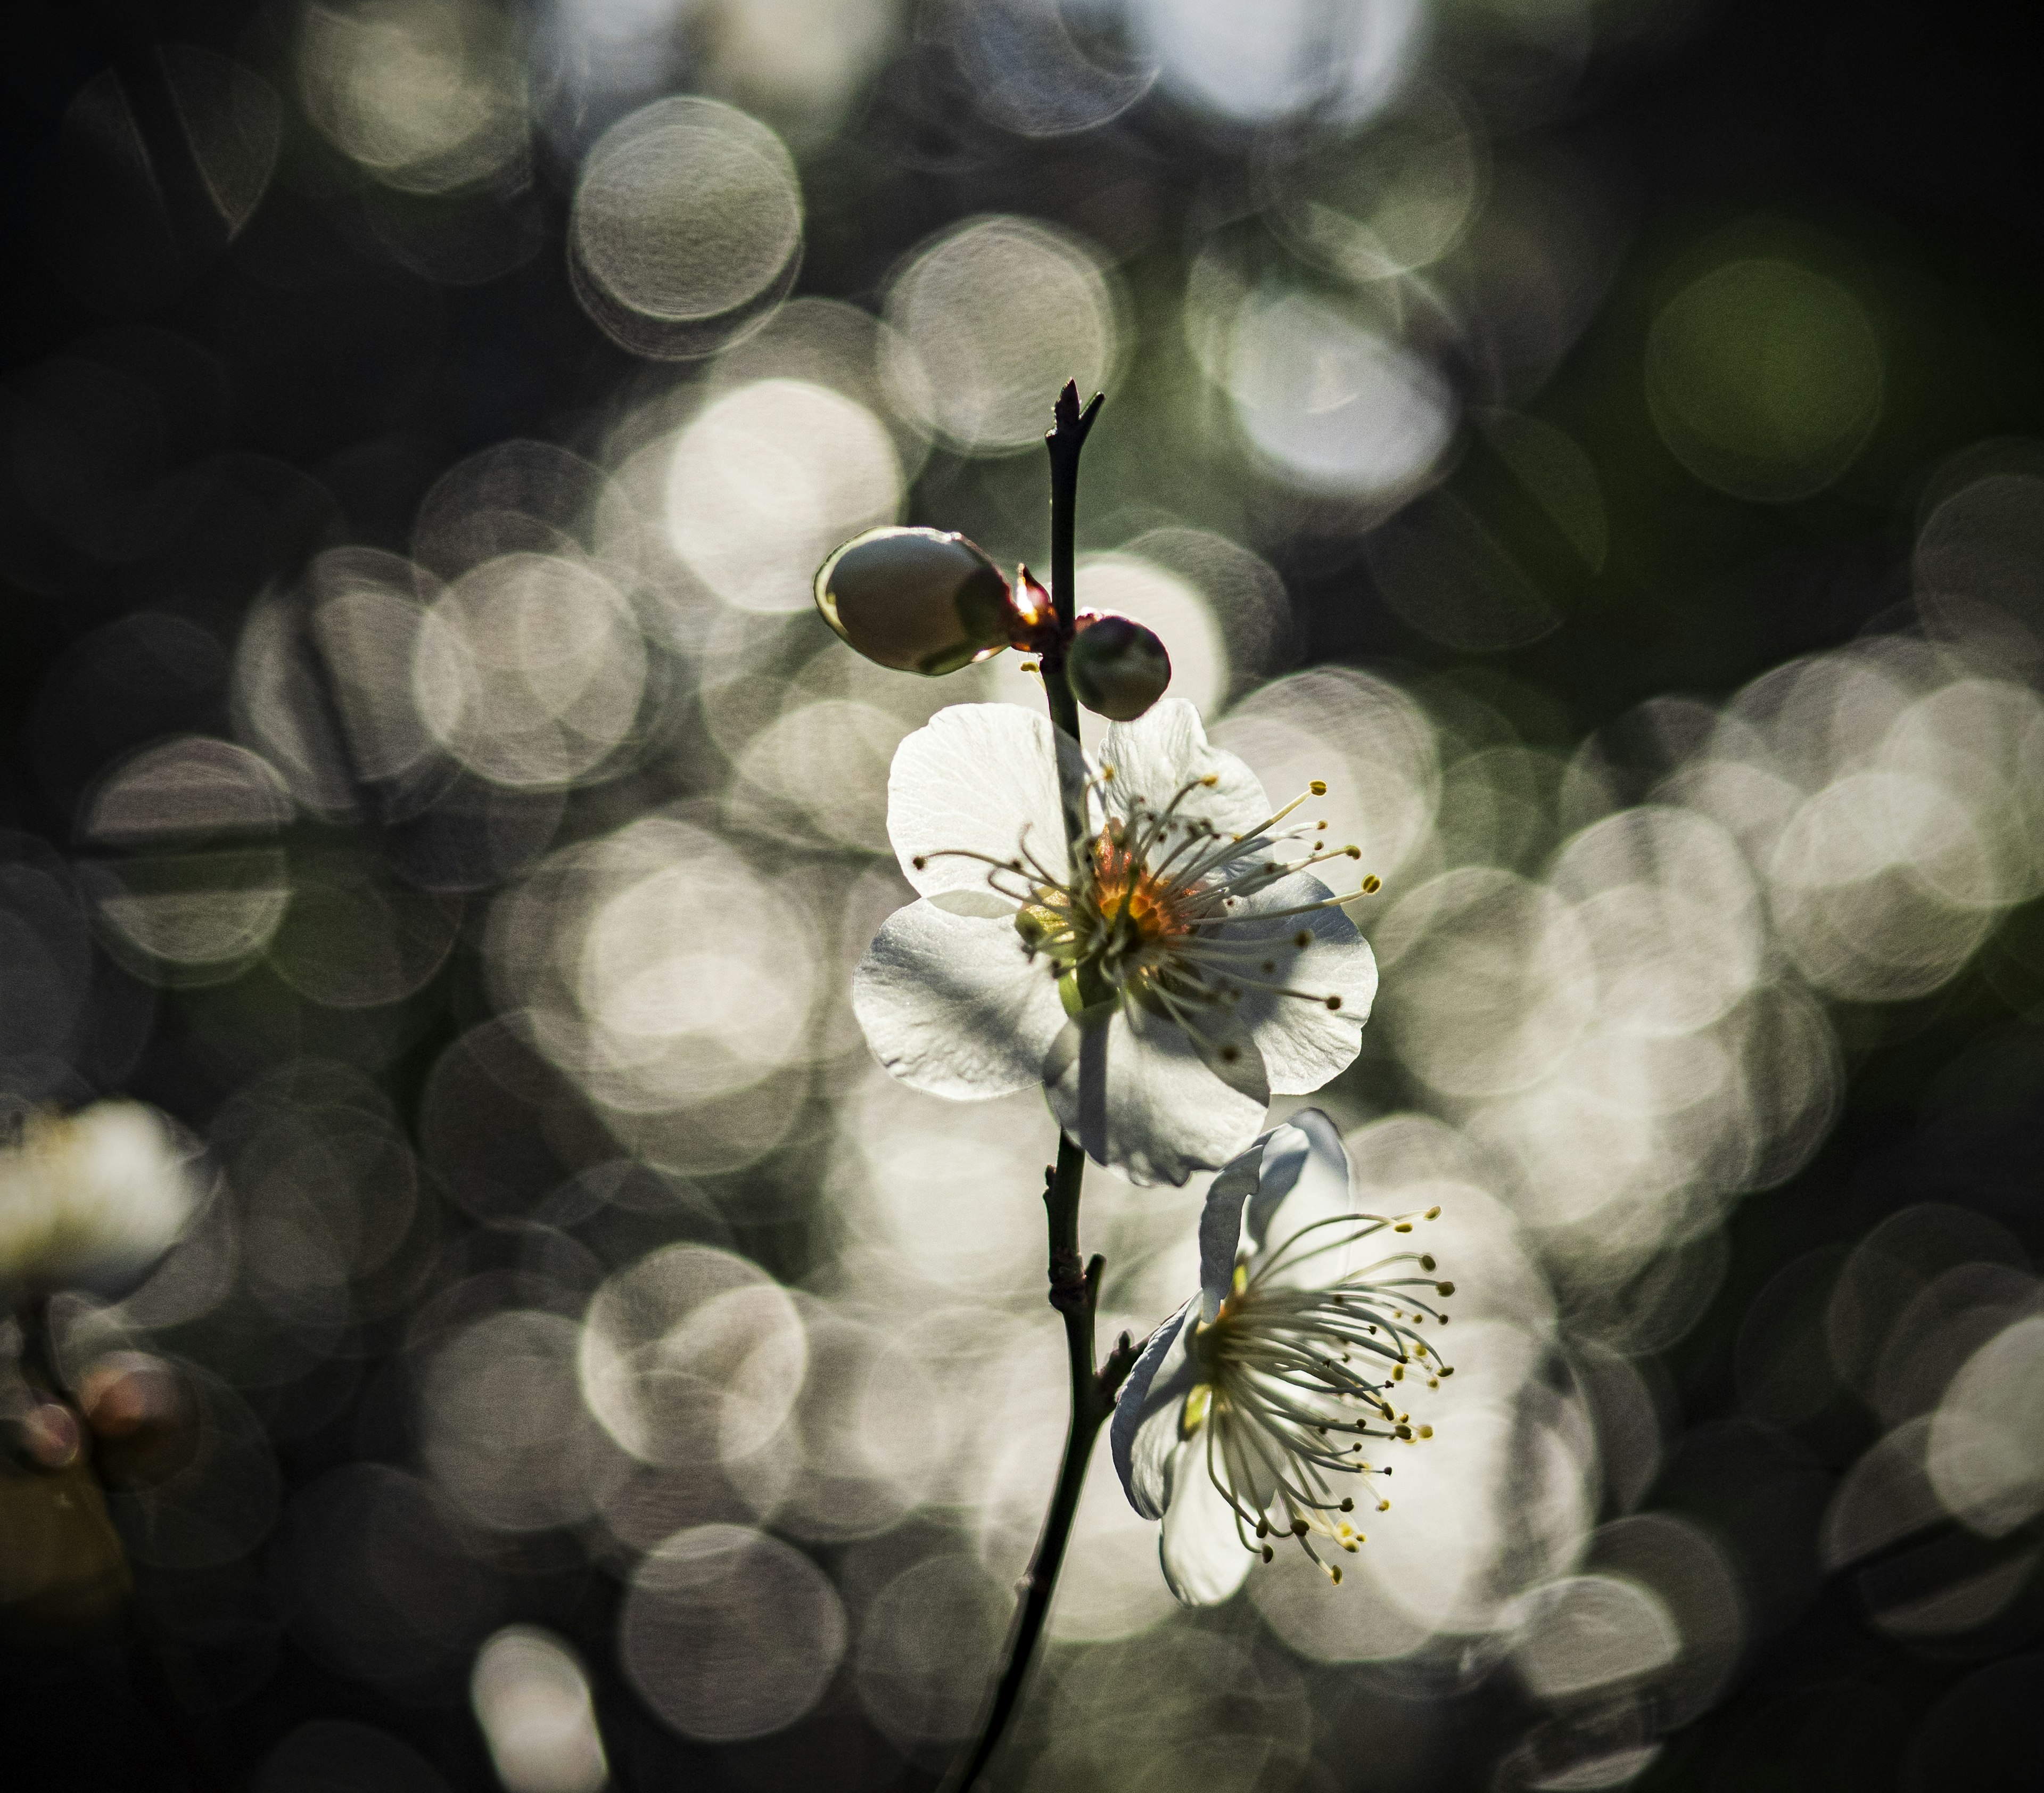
<point>979,777</point>
<point>950,1004</point>
<point>92,1201</point>
<point>1166,748</point>
<point>1136,1091</point>
<point>1220,1224</point>
<point>1143,1435</point>
<point>1305,1181</point>
<point>1304,1044</point>
<point>1204,1561</point>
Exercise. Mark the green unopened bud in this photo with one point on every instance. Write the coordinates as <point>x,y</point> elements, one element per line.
<point>917,600</point>
<point>1117,667</point>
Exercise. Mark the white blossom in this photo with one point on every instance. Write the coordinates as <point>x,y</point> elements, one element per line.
<point>1245,1421</point>
<point>1162,983</point>
<point>91,1201</point>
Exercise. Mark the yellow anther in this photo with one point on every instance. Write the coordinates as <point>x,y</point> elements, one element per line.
<point>1318,786</point>
<point>1372,884</point>
<point>1426,1431</point>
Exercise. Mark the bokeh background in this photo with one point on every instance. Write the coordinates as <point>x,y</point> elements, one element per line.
<point>1599,438</point>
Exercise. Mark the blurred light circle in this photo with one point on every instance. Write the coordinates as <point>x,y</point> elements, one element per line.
<point>1982,742</point>
<point>195,785</point>
<point>692,1352</point>
<point>688,213</point>
<point>826,762</point>
<point>1456,1548</point>
<point>1764,379</point>
<point>1110,1586</point>
<point>1857,880</point>
<point>354,938</point>
<point>1365,739</point>
<point>1330,404</point>
<point>368,607</point>
<point>1252,65</point>
<point>766,480</point>
<point>1029,73</point>
<point>994,317</point>
<point>1984,546</point>
<point>378,1577</point>
<point>903,1159</point>
<point>505,1433</point>
<point>1679,1562</point>
<point>234,121</point>
<point>1986,1440</point>
<point>867,1423</point>
<point>1589,1631</point>
<point>530,669</point>
<point>1980,1734</point>
<point>1673,916</point>
<point>191,919</point>
<point>1386,201</point>
<point>1494,980</point>
<point>696,979</point>
<point>727,1634</point>
<point>925,1645</point>
<point>532,1698</point>
<point>426,94</point>
<point>516,496</point>
<point>338,1756</point>
<point>1360,1623</point>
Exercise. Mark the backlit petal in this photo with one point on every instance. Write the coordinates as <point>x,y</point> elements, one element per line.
<point>1201,1549</point>
<point>1136,1091</point>
<point>950,1004</point>
<point>1304,1044</point>
<point>980,777</point>
<point>1143,1434</point>
<point>1220,1226</point>
<point>1165,749</point>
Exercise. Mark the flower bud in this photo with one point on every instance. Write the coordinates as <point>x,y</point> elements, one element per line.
<point>917,600</point>
<point>1117,667</point>
<point>139,1417</point>
<point>46,1434</point>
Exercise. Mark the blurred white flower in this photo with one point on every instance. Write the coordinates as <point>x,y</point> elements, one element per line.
<point>91,1201</point>
<point>1162,984</point>
<point>1244,1418</point>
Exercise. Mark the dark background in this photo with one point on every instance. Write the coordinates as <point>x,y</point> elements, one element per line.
<point>1906,138</point>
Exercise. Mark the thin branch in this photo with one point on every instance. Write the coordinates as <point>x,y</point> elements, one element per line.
<point>1074,1290</point>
